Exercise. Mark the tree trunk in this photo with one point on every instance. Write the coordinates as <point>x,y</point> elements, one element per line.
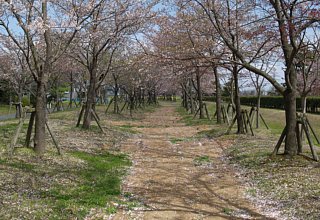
<point>91,98</point>
<point>43,75</point>
<point>190,96</point>
<point>237,101</point>
<point>218,95</point>
<point>291,146</point>
<point>258,108</point>
<point>155,95</point>
<point>115,98</point>
<point>19,104</point>
<point>40,118</point>
<point>71,90</point>
<point>131,104</point>
<point>232,96</point>
<point>185,100</point>
<point>199,93</point>
<point>303,103</point>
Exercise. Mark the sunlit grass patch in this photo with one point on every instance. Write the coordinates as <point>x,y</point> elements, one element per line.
<point>176,140</point>
<point>189,119</point>
<point>97,185</point>
<point>126,128</point>
<point>5,110</point>
<point>289,183</point>
<point>202,160</point>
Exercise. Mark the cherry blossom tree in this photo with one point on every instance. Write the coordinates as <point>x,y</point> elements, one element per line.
<point>42,30</point>
<point>108,27</point>
<point>14,70</point>
<point>307,68</point>
<point>280,25</point>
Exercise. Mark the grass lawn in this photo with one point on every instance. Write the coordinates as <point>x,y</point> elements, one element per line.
<point>83,182</point>
<point>4,109</point>
<point>286,185</point>
<point>189,119</point>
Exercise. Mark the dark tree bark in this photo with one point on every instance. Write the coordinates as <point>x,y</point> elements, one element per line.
<point>237,100</point>
<point>40,118</point>
<point>191,96</point>
<point>258,107</point>
<point>71,90</point>
<point>292,23</point>
<point>218,94</point>
<point>291,146</point>
<point>199,90</point>
<point>91,96</point>
<point>115,98</point>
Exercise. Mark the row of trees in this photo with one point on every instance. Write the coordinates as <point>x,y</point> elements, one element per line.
<point>75,41</point>
<point>272,40</point>
<point>191,48</point>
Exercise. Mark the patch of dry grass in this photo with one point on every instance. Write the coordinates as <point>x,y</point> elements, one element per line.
<point>287,185</point>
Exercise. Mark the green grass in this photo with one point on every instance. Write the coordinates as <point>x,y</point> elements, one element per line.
<point>66,114</point>
<point>99,184</point>
<point>227,211</point>
<point>190,121</point>
<point>287,181</point>
<point>275,119</point>
<point>176,140</point>
<point>202,160</point>
<point>21,165</point>
<point>4,109</point>
<point>217,131</point>
<point>7,131</point>
<point>95,183</point>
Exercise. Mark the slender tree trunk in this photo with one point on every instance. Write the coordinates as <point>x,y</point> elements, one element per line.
<point>131,105</point>
<point>71,90</point>
<point>303,103</point>
<point>143,97</point>
<point>19,104</point>
<point>155,95</point>
<point>218,95</point>
<point>232,95</point>
<point>199,93</point>
<point>91,98</point>
<point>237,100</point>
<point>191,97</point>
<point>258,108</point>
<point>115,98</point>
<point>185,101</point>
<point>303,110</point>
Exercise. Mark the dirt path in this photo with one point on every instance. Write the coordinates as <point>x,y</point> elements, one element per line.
<point>172,181</point>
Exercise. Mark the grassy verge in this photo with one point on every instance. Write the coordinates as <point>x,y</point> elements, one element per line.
<point>288,185</point>
<point>189,119</point>
<point>60,188</point>
<point>279,184</point>
<point>83,182</point>
<point>4,110</point>
<point>126,128</point>
<point>98,185</point>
